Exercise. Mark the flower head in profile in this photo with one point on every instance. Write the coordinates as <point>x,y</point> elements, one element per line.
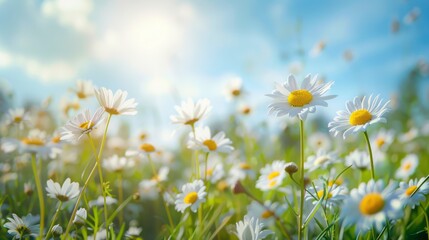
<point>117,164</point>
<point>80,217</point>
<point>358,159</point>
<point>292,100</point>
<point>188,113</point>
<point>321,160</point>
<point>22,227</point>
<point>267,214</point>
<point>359,115</point>
<point>64,193</point>
<point>272,176</point>
<point>84,89</point>
<point>408,166</point>
<point>192,195</point>
<point>36,142</point>
<point>234,88</point>
<point>371,205</point>
<point>251,229</point>
<point>413,192</point>
<point>116,104</point>
<point>204,141</point>
<point>80,125</point>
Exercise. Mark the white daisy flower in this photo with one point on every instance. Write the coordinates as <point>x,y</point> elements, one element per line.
<point>409,136</point>
<point>22,227</point>
<point>371,205</point>
<point>334,197</point>
<point>36,142</point>
<point>100,201</point>
<point>18,117</point>
<point>192,195</point>
<point>117,164</point>
<point>68,191</point>
<point>272,175</point>
<point>215,170</point>
<point>359,115</point>
<point>240,171</point>
<point>161,175</point>
<point>251,229</point>
<point>407,189</point>
<point>291,100</point>
<point>80,125</point>
<point>204,141</point>
<point>80,217</point>
<point>233,88</point>
<point>408,166</point>
<point>189,112</point>
<point>321,160</point>
<point>319,140</point>
<point>267,213</point>
<point>148,189</point>
<point>84,89</point>
<point>382,140</point>
<point>116,104</point>
<point>358,159</point>
<point>133,232</point>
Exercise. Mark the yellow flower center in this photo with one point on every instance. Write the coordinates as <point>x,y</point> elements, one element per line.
<point>337,182</point>
<point>17,119</point>
<point>272,183</point>
<point>222,185</point>
<point>86,125</point>
<point>245,166</point>
<point>147,147</point>
<point>112,111</point>
<point>380,142</point>
<point>267,214</point>
<point>321,192</point>
<point>236,92</point>
<point>81,95</point>
<point>155,178</point>
<point>246,110</point>
<point>191,198</point>
<point>299,98</point>
<point>371,204</point>
<point>56,139</point>
<point>407,166</point>
<point>33,141</point>
<point>360,117</point>
<point>321,160</point>
<point>273,175</point>
<point>143,136</point>
<point>191,121</point>
<point>210,144</point>
<point>209,172</point>
<point>410,190</point>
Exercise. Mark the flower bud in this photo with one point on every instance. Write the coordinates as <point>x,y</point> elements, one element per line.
<point>291,168</point>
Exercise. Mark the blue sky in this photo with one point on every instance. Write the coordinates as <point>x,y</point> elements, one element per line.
<point>165,51</point>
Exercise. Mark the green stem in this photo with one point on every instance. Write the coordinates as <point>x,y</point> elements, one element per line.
<point>39,195</point>
<point>205,163</point>
<point>53,220</point>
<point>370,155</point>
<point>301,207</point>
<point>121,198</point>
<point>155,174</point>
<point>78,200</point>
<point>426,218</point>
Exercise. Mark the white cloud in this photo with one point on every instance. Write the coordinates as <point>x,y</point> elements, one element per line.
<point>73,13</point>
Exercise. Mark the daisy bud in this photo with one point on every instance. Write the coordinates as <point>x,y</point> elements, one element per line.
<point>136,196</point>
<point>238,188</point>
<point>57,230</point>
<point>28,189</point>
<point>291,168</point>
<point>307,181</point>
<point>80,217</point>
